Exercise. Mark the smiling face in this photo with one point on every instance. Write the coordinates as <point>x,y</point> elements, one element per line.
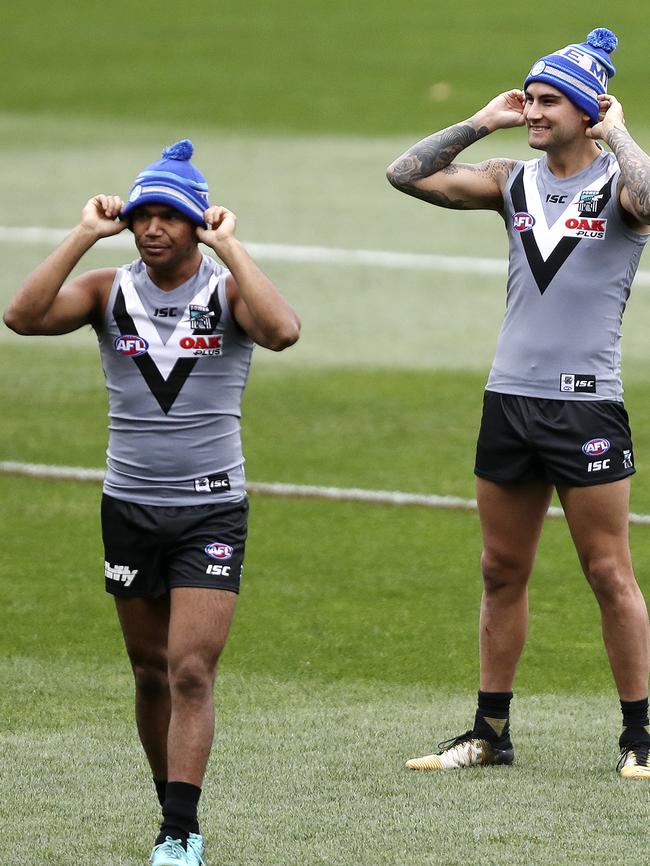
<point>553,121</point>
<point>165,238</point>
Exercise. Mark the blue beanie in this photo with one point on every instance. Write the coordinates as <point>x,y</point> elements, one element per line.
<point>173,181</point>
<point>581,71</point>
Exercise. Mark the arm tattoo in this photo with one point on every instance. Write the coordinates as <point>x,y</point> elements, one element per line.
<point>635,171</point>
<point>434,153</point>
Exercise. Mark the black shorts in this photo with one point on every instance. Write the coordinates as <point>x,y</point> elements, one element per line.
<point>148,549</point>
<point>577,443</point>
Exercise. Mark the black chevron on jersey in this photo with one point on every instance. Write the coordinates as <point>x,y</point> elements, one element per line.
<point>164,390</point>
<point>544,270</point>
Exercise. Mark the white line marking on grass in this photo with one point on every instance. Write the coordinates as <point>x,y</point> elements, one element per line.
<point>308,254</point>
<point>300,491</point>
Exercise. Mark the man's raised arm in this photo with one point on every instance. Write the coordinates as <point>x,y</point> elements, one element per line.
<point>426,170</point>
<point>43,304</point>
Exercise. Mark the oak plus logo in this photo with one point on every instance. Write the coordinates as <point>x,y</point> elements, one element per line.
<point>130,345</point>
<point>212,344</point>
<point>523,221</point>
<point>593,229</point>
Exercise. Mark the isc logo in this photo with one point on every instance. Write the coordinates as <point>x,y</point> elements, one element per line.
<point>522,221</point>
<point>597,465</point>
<point>218,570</point>
<point>130,345</point>
<point>596,447</point>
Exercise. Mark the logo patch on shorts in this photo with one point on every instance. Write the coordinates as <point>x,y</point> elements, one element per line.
<point>579,383</point>
<point>596,447</point>
<point>120,573</point>
<point>219,550</point>
<point>628,460</point>
<point>217,483</point>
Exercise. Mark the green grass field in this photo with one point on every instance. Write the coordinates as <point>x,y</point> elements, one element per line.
<point>354,644</point>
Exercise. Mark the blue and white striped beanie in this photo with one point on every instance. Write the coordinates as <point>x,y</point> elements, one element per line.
<point>581,71</point>
<point>173,181</point>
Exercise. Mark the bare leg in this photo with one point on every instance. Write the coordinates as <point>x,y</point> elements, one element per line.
<point>198,628</point>
<point>145,624</point>
<point>512,516</point>
<point>598,520</point>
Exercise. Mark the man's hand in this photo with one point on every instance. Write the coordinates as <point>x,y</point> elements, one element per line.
<point>610,117</point>
<point>503,112</point>
<point>100,216</point>
<point>221,227</point>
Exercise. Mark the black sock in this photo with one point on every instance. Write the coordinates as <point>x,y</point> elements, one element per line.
<point>635,720</point>
<point>492,715</point>
<point>161,789</point>
<point>179,812</point>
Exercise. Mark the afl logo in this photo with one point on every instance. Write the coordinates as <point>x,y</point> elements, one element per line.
<point>130,345</point>
<point>522,221</point>
<point>219,550</point>
<point>596,447</point>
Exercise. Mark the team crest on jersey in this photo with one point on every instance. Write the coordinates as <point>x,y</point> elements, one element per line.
<point>589,201</point>
<point>130,345</point>
<point>200,318</point>
<point>523,221</point>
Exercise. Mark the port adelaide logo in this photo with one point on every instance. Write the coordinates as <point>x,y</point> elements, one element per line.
<point>523,221</point>
<point>219,550</point>
<point>130,345</point>
<point>200,318</point>
<point>596,447</point>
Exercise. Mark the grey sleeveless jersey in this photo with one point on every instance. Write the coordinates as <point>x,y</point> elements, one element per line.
<point>175,364</point>
<point>572,261</point>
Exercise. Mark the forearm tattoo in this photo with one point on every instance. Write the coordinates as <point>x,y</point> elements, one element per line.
<point>435,154</point>
<point>635,171</point>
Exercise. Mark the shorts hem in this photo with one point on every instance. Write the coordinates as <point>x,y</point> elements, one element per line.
<point>591,482</point>
<point>121,594</point>
<point>229,588</point>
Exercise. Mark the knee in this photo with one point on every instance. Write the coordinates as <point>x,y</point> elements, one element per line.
<point>192,678</point>
<point>150,674</point>
<point>610,581</point>
<point>503,571</point>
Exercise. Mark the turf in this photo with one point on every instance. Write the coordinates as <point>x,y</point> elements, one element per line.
<point>305,772</point>
<point>288,66</point>
<point>354,644</point>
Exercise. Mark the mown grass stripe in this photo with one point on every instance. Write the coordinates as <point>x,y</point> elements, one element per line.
<point>309,491</point>
<point>309,254</point>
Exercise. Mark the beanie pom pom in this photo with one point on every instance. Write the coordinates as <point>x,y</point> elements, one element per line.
<point>602,38</point>
<point>182,150</point>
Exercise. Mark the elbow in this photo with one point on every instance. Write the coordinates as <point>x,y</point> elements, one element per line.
<point>284,337</point>
<point>391,175</point>
<point>396,178</point>
<point>16,324</point>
